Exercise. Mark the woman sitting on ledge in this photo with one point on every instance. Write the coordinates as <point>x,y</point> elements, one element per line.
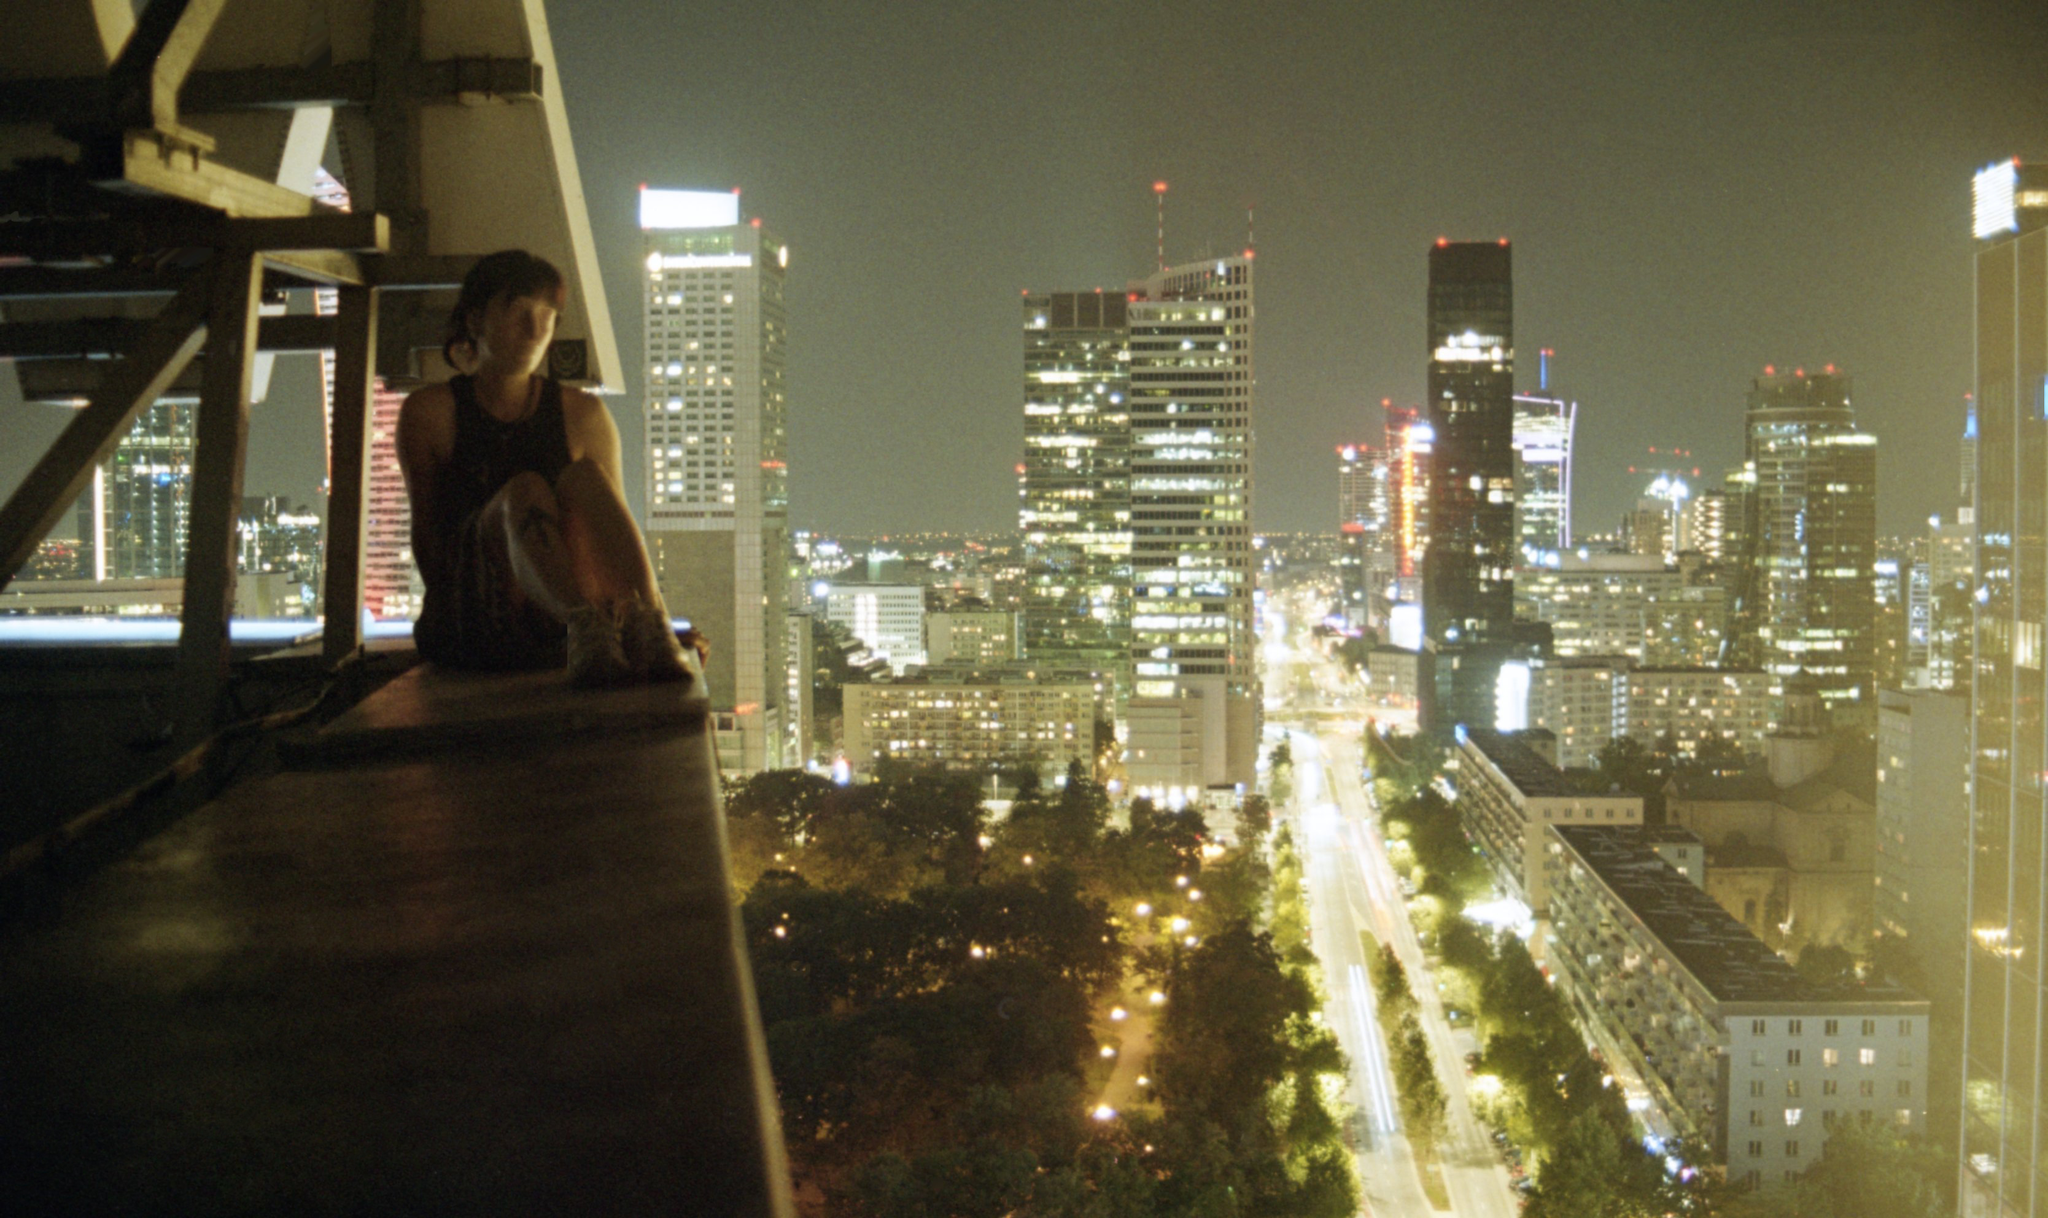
<point>530,557</point>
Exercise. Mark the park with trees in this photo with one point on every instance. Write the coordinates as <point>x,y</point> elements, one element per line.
<point>945,997</point>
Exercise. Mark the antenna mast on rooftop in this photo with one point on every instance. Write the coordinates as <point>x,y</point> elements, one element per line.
<point>1159,192</point>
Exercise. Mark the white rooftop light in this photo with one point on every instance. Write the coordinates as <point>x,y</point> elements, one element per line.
<point>688,208</point>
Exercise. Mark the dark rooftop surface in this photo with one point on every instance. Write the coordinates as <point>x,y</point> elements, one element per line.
<point>1523,766</point>
<point>1733,964</point>
<point>1662,835</point>
<point>478,956</point>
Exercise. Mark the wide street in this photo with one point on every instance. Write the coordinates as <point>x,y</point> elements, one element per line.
<point>1352,888</point>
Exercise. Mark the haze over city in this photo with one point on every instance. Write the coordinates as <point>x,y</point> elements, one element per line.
<point>1694,191</point>
<point>878,610</point>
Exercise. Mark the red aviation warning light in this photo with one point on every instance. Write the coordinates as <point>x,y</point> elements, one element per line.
<point>1158,188</point>
<point>1441,242</point>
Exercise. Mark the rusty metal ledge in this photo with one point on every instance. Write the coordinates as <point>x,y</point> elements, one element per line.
<point>445,978</point>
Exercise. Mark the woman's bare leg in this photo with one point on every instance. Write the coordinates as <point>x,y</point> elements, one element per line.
<point>612,567</point>
<point>529,518</point>
<point>608,557</point>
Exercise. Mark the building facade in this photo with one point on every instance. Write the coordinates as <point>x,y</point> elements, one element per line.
<point>889,618</point>
<point>1923,753</point>
<point>1075,480</point>
<point>976,636</point>
<point>1747,1058</point>
<point>1791,849</point>
<point>1509,797</point>
<point>1365,530</point>
<point>1582,700</point>
<point>1544,428</point>
<point>717,475</point>
<point>1468,575</point>
<point>1691,706</point>
<point>970,724</point>
<point>1703,525</point>
<point>1806,595</point>
<point>1192,380</point>
<point>1625,604</point>
<point>2006,1023</point>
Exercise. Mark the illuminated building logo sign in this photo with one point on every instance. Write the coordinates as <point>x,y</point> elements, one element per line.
<point>1994,190</point>
<point>689,208</point>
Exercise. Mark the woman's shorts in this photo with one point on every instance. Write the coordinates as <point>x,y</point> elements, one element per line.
<point>492,624</point>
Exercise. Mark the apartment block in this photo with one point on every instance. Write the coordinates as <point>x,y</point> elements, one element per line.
<point>969,724</point>
<point>1749,1060</point>
<point>1508,796</point>
<point>1694,705</point>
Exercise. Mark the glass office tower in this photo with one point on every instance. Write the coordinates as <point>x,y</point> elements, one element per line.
<point>1806,581</point>
<point>717,451</point>
<point>1076,482</point>
<point>2008,905</point>
<point>1544,423</point>
<point>1191,501</point>
<point>1468,577</point>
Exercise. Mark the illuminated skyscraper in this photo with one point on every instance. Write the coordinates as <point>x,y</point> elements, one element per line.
<point>1468,577</point>
<point>2006,1020</point>
<point>1361,487</point>
<point>1191,498</point>
<point>132,518</point>
<point>1544,426</point>
<point>717,473</point>
<point>1703,524</point>
<point>1365,527</point>
<point>1410,445</point>
<point>1805,583</point>
<point>389,577</point>
<point>1076,481</point>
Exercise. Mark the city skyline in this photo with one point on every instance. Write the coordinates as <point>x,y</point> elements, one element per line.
<point>1666,255</point>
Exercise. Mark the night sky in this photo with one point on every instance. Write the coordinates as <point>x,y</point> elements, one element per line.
<point>1693,190</point>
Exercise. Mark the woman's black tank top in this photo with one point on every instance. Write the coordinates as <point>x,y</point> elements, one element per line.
<point>488,453</point>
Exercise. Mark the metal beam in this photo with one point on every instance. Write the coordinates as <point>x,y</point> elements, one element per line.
<point>131,77</point>
<point>395,122</point>
<point>326,229</point>
<point>440,82</point>
<point>173,61</point>
<point>87,337</point>
<point>318,266</point>
<point>130,384</point>
<point>48,282</point>
<point>173,165</point>
<point>219,444</point>
<point>338,84</point>
<point>355,373</point>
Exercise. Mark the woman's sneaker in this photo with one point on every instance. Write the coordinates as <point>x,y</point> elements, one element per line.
<point>652,651</point>
<point>596,656</point>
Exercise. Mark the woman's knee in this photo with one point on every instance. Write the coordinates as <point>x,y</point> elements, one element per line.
<point>526,496</point>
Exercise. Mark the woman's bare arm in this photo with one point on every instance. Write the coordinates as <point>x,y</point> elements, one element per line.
<point>591,433</point>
